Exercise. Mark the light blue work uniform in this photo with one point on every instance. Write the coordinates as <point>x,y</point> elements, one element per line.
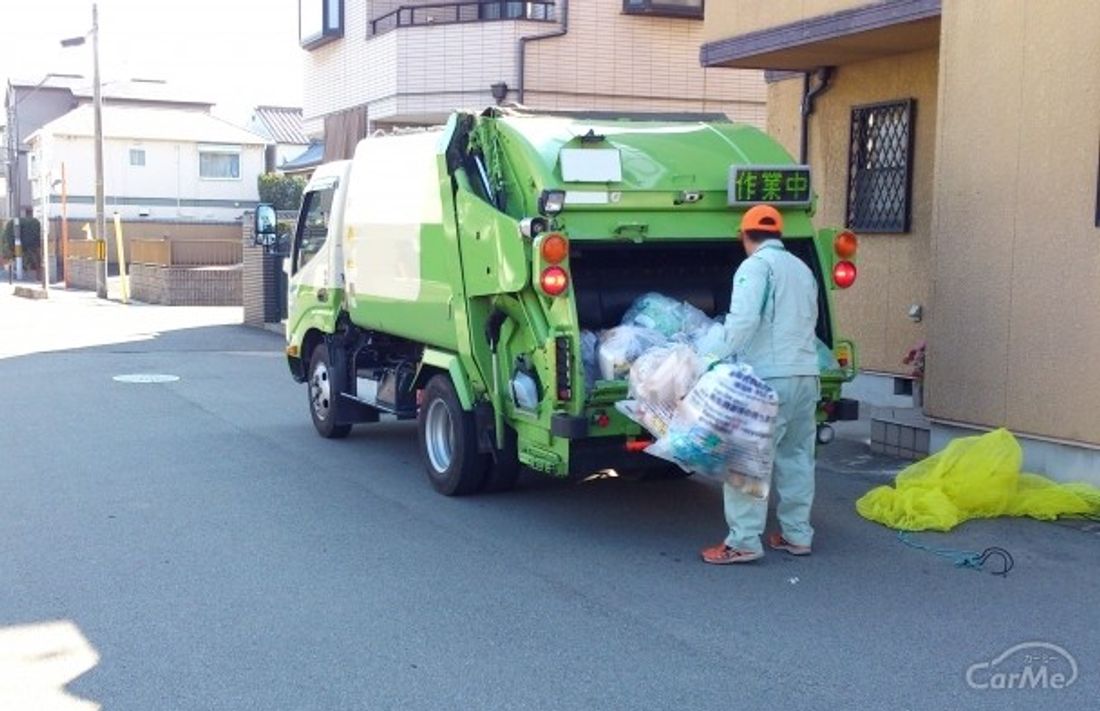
<point>771,326</point>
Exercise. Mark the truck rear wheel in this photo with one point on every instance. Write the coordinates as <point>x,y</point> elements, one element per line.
<point>448,441</point>
<point>322,396</point>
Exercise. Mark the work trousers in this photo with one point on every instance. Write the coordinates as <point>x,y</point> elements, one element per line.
<point>792,473</point>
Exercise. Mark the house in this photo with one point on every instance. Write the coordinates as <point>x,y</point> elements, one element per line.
<point>282,126</point>
<point>960,140</point>
<point>376,64</point>
<point>166,171</point>
<point>29,105</point>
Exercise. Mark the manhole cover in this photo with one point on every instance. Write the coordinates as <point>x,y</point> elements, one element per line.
<point>146,378</point>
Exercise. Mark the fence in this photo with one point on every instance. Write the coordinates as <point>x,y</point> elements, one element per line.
<point>186,253</point>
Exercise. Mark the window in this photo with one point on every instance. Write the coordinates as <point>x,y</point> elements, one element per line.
<point>137,156</point>
<point>313,230</point>
<point>319,22</point>
<point>513,10</point>
<point>880,167</point>
<point>666,8</point>
<point>219,164</point>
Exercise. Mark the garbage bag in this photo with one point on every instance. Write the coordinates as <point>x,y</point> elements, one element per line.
<point>589,344</point>
<point>725,429</point>
<point>659,379</point>
<point>826,359</point>
<point>619,347</point>
<point>665,314</point>
<point>974,477</point>
<point>710,340</point>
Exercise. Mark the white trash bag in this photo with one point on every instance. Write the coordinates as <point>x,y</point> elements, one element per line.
<point>620,346</point>
<point>725,429</point>
<point>659,379</point>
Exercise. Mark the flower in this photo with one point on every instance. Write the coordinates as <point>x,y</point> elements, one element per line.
<point>915,358</point>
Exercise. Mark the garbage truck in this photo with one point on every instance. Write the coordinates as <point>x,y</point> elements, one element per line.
<point>446,275</point>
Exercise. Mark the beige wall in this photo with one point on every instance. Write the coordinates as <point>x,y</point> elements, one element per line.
<point>893,268</point>
<point>607,61</point>
<point>1014,335</point>
<point>725,18</point>
<point>642,63</point>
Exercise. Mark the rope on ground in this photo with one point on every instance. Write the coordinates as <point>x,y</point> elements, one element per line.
<point>964,559</point>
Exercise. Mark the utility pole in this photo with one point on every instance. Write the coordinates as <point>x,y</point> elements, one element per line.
<point>100,210</point>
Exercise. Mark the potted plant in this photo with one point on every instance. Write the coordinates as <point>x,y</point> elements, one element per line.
<point>915,360</point>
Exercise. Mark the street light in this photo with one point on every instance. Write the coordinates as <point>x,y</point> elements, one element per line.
<point>97,107</point>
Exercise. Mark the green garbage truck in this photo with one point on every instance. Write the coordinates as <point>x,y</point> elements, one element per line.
<point>446,275</point>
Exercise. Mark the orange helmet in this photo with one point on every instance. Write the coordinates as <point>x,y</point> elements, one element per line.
<point>762,218</point>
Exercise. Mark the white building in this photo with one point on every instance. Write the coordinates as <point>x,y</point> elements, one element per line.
<point>160,165</point>
<point>282,126</point>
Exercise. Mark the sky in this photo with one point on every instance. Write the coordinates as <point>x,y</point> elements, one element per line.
<point>240,53</point>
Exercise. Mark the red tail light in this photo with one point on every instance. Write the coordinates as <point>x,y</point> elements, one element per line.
<point>554,281</point>
<point>845,244</point>
<point>844,274</point>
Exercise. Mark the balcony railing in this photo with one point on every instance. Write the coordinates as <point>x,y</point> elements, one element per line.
<point>451,13</point>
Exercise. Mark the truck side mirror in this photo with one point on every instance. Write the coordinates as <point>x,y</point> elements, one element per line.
<point>264,228</point>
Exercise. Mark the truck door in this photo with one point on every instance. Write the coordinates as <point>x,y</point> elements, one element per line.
<point>313,286</point>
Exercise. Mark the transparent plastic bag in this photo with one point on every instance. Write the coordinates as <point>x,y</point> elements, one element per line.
<point>710,341</point>
<point>619,347</point>
<point>659,379</point>
<point>656,311</point>
<point>590,343</point>
<point>826,359</point>
<point>725,429</point>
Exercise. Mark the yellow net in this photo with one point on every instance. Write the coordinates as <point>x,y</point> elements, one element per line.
<point>974,477</point>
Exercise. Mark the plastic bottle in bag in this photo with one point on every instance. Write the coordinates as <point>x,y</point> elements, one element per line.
<point>619,347</point>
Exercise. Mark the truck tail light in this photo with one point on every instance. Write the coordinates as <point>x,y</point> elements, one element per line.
<point>846,244</point>
<point>555,248</point>
<point>844,274</point>
<point>554,281</point>
<point>563,362</point>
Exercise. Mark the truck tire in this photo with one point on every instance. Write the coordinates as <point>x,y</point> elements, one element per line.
<point>322,393</point>
<point>502,472</point>
<point>448,441</point>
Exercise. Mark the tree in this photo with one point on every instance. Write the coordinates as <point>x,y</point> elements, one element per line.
<point>30,235</point>
<point>282,191</point>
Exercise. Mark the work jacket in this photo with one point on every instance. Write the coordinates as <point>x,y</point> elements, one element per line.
<point>773,314</point>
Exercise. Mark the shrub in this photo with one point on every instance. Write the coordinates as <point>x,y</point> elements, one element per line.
<point>30,234</point>
<point>282,191</point>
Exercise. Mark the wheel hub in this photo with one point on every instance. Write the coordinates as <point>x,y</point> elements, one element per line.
<point>439,435</point>
<point>320,391</point>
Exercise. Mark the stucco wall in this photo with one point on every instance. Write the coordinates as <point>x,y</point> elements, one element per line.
<point>610,60</point>
<point>1015,312</point>
<point>167,187</point>
<point>893,268</point>
<point>725,18</point>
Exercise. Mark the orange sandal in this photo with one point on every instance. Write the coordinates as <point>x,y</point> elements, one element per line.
<point>722,554</point>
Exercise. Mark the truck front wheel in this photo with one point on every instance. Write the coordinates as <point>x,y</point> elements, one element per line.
<point>448,441</point>
<point>322,396</point>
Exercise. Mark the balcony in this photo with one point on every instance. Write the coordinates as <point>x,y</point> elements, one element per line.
<point>453,13</point>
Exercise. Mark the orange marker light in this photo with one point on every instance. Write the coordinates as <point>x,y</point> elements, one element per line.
<point>555,248</point>
<point>554,281</point>
<point>845,244</point>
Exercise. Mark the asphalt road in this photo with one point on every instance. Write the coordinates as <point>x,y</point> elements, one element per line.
<point>194,545</point>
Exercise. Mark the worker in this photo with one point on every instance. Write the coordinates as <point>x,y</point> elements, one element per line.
<point>771,327</point>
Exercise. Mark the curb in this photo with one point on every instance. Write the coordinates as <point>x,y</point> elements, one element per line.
<point>30,292</point>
